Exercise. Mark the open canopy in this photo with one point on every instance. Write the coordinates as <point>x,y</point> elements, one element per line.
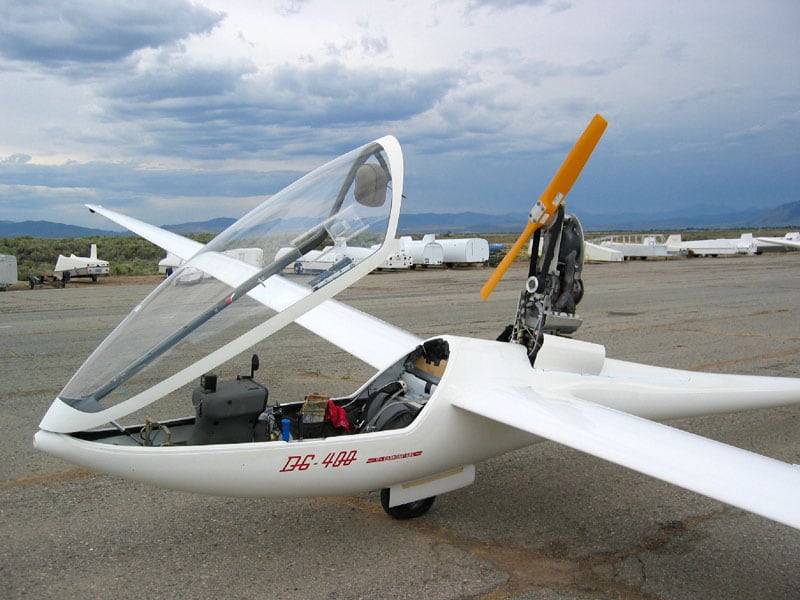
<point>241,287</point>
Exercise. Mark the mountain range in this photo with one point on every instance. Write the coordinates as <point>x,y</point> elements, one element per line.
<point>784,216</point>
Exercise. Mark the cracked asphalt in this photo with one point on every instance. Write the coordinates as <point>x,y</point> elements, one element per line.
<point>542,523</point>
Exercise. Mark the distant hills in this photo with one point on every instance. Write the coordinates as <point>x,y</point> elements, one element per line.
<point>788,214</point>
<point>212,226</point>
<point>785,216</point>
<point>48,229</point>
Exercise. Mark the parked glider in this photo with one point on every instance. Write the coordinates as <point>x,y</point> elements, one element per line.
<point>71,267</point>
<point>791,240</point>
<point>434,408</point>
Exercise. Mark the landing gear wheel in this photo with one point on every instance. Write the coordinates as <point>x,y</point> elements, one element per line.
<point>578,290</point>
<point>411,510</point>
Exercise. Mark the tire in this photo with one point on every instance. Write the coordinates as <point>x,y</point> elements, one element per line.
<point>411,510</point>
<point>578,290</point>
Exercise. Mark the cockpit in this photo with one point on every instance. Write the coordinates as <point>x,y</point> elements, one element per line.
<point>241,410</point>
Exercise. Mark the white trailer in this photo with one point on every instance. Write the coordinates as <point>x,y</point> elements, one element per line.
<point>398,259</point>
<point>465,250</point>
<point>169,263</point>
<point>595,253</point>
<point>189,275</point>
<point>635,246</point>
<point>745,244</point>
<point>317,261</point>
<point>8,271</point>
<point>425,252</point>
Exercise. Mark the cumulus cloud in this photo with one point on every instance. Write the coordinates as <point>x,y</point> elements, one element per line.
<point>56,33</point>
<point>197,111</point>
<point>16,159</point>
<point>175,81</point>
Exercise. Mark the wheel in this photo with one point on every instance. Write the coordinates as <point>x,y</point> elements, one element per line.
<point>411,510</point>
<point>578,290</point>
<point>298,268</point>
<point>94,278</point>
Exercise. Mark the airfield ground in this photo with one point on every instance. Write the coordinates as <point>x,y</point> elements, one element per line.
<point>543,523</point>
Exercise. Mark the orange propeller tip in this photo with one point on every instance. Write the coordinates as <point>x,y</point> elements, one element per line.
<point>553,195</point>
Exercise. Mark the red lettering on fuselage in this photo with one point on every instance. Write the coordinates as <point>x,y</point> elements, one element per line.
<point>332,460</point>
<point>377,459</point>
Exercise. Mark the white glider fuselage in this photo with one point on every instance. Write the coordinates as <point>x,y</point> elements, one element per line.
<point>443,437</point>
<point>439,439</point>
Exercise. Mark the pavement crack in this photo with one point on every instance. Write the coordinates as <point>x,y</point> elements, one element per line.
<point>528,570</point>
<point>604,566</point>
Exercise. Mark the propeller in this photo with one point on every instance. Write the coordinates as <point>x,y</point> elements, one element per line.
<point>552,197</point>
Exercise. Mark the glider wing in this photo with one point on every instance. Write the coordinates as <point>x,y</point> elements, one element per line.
<point>756,483</point>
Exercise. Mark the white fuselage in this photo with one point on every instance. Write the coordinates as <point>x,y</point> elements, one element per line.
<point>441,438</point>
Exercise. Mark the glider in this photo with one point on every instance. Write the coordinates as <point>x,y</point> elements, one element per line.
<point>790,241</point>
<point>434,407</point>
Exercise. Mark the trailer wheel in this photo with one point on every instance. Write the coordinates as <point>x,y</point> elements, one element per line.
<point>410,510</point>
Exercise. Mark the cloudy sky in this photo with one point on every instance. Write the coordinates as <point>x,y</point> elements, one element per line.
<point>177,111</point>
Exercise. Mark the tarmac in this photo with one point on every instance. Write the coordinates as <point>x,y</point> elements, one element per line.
<point>541,523</point>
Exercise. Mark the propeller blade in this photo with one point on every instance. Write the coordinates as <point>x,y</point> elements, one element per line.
<point>552,197</point>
